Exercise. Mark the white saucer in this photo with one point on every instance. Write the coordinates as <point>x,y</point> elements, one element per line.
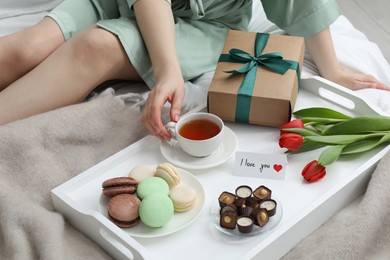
<point>175,155</point>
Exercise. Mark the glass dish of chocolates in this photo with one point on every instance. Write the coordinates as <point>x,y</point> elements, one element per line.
<point>246,211</point>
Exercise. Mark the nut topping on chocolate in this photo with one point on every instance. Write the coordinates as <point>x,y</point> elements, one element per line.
<point>262,193</point>
<point>226,198</point>
<point>228,220</point>
<point>262,217</point>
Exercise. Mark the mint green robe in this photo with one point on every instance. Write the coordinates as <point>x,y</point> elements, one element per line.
<point>201,26</point>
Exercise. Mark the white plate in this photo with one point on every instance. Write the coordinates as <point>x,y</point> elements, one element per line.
<point>272,223</point>
<point>175,155</point>
<point>179,220</point>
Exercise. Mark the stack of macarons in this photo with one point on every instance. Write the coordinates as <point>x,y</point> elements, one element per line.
<point>183,196</point>
<point>123,205</point>
<point>149,194</point>
<point>156,208</point>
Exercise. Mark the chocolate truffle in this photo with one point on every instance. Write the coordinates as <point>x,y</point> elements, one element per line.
<point>245,224</point>
<point>239,203</point>
<point>226,198</point>
<point>262,217</point>
<point>269,205</point>
<point>228,220</point>
<point>243,191</point>
<point>262,193</point>
<point>231,207</point>
<point>245,211</point>
<point>252,202</point>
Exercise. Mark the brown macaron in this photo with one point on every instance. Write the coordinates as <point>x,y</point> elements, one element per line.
<point>119,185</point>
<point>123,210</point>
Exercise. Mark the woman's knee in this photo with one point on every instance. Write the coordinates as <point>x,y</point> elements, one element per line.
<point>96,45</point>
<point>20,52</point>
<point>99,50</point>
<point>31,46</point>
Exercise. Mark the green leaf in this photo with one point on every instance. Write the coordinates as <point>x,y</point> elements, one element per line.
<point>307,146</point>
<point>361,146</point>
<point>366,145</point>
<point>315,120</point>
<point>336,139</point>
<point>360,125</point>
<point>319,127</point>
<point>385,138</point>
<point>320,112</point>
<point>301,131</point>
<point>330,155</point>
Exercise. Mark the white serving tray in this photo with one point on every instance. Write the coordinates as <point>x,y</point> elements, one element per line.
<point>305,206</point>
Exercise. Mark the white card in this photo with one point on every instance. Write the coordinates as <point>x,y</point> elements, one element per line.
<point>269,166</point>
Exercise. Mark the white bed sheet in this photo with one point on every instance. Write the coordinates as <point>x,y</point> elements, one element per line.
<point>355,52</point>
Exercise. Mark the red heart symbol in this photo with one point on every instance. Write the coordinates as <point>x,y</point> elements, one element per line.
<point>278,167</point>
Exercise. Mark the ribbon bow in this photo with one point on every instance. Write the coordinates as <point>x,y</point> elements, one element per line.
<point>273,61</point>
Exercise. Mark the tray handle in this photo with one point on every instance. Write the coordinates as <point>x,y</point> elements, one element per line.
<point>119,244</point>
<point>339,95</point>
<point>128,249</point>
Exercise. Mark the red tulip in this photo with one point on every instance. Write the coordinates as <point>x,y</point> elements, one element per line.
<point>296,123</point>
<point>313,171</point>
<point>291,141</point>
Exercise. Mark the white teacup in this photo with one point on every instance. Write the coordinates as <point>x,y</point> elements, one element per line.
<point>198,134</point>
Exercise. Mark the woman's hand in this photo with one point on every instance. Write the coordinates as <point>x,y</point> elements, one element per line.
<point>168,89</point>
<point>322,50</point>
<point>156,24</point>
<point>356,81</point>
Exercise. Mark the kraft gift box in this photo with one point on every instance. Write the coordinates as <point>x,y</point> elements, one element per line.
<point>257,78</point>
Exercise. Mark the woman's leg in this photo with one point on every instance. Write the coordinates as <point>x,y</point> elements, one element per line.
<point>67,76</point>
<point>22,51</point>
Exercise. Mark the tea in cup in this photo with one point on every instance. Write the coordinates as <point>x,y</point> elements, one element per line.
<point>198,134</point>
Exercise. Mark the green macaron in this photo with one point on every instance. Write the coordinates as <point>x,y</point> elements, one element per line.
<point>156,210</point>
<point>152,185</point>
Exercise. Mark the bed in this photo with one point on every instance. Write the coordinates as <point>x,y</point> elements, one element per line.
<point>43,151</point>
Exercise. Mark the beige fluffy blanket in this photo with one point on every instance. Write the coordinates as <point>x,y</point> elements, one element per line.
<point>41,152</point>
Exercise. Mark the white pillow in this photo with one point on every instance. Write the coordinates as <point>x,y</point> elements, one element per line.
<point>12,8</point>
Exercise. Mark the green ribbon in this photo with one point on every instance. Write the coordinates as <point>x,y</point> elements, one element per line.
<point>273,61</point>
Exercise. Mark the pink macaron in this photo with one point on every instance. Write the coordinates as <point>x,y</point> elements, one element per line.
<point>123,210</point>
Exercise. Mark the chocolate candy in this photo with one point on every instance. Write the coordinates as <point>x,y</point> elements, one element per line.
<point>246,208</point>
<point>269,205</point>
<point>245,224</point>
<point>231,207</point>
<point>228,220</point>
<point>262,217</point>
<point>244,191</point>
<point>245,211</point>
<point>239,203</point>
<point>226,198</point>
<point>262,193</point>
<point>252,202</point>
